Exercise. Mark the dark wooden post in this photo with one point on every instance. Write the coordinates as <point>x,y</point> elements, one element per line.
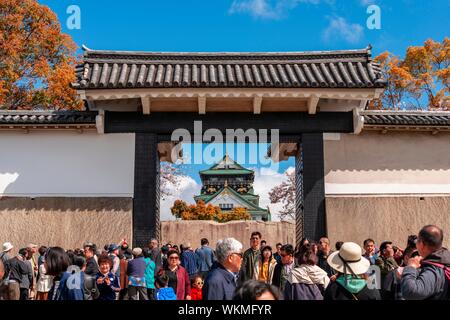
<point>298,194</point>
<point>314,219</point>
<point>146,189</point>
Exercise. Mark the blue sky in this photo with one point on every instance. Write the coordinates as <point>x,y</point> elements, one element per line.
<point>252,25</point>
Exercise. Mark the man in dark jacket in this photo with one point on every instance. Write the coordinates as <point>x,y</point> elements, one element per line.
<point>20,273</point>
<point>322,256</point>
<point>430,282</point>
<point>283,269</point>
<point>220,283</point>
<point>251,255</point>
<point>386,263</point>
<point>155,254</point>
<point>91,264</point>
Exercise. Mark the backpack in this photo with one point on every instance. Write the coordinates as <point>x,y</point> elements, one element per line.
<point>6,266</point>
<point>446,270</point>
<point>91,291</point>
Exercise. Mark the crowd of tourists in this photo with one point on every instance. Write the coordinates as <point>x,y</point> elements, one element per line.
<point>309,271</point>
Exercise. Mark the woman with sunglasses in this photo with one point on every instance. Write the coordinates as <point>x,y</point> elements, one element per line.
<point>178,276</point>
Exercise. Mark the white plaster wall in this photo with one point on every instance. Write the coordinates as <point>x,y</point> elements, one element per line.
<point>396,163</point>
<point>66,163</point>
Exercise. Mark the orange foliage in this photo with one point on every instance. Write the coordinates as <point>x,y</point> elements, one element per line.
<point>423,73</point>
<point>235,214</point>
<point>200,211</point>
<point>37,59</point>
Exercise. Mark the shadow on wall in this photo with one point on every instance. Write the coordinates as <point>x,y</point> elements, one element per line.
<point>65,222</point>
<point>96,204</point>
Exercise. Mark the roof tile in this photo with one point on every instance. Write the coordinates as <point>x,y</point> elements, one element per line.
<point>327,69</point>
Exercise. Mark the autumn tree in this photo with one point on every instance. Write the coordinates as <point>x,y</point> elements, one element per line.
<point>178,208</point>
<point>201,211</point>
<point>284,193</point>
<point>238,213</point>
<point>36,59</point>
<point>419,81</point>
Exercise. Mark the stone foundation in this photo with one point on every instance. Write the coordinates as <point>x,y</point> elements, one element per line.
<point>192,231</point>
<point>69,222</point>
<point>385,218</point>
<point>65,222</point>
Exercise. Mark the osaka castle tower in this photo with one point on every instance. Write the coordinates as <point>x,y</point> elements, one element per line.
<point>229,185</point>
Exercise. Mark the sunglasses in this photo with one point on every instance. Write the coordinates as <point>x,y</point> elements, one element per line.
<point>240,254</point>
<point>173,258</point>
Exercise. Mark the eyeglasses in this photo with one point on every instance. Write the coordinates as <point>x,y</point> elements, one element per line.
<point>240,254</point>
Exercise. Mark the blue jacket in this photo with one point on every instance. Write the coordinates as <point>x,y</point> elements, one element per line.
<point>190,261</point>
<point>108,292</point>
<point>166,294</point>
<point>429,282</point>
<point>206,258</point>
<point>70,287</point>
<point>136,272</point>
<point>220,284</point>
<point>136,267</point>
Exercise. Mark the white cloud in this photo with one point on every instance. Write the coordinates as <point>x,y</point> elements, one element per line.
<point>340,29</point>
<point>268,9</point>
<point>265,180</point>
<point>186,191</point>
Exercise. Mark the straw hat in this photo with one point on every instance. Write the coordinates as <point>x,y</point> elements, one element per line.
<point>349,259</point>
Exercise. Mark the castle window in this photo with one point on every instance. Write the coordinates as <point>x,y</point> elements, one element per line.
<point>226,206</point>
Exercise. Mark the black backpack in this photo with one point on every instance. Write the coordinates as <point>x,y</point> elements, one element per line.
<point>90,288</point>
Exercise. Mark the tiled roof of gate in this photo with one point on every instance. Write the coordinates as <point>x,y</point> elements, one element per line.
<point>405,118</point>
<point>47,117</point>
<point>321,69</point>
<point>373,118</point>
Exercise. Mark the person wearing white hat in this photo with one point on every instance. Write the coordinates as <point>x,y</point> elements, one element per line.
<point>5,255</point>
<point>7,247</point>
<point>350,282</point>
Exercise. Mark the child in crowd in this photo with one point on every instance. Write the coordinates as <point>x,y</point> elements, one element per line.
<point>196,288</point>
<point>107,282</point>
<point>163,291</point>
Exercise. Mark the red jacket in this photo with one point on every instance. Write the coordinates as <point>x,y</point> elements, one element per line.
<point>196,294</point>
<point>183,284</point>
